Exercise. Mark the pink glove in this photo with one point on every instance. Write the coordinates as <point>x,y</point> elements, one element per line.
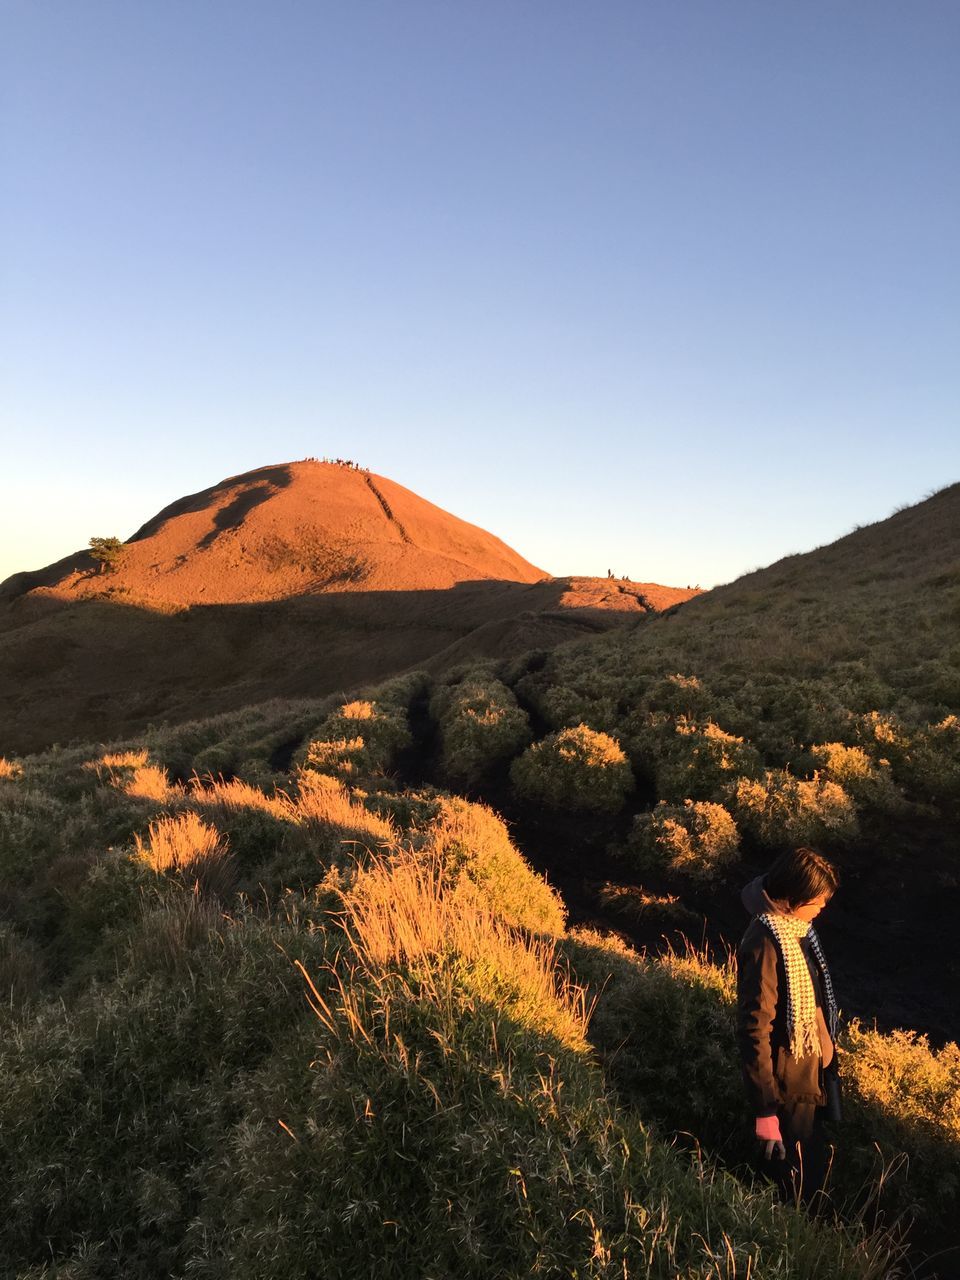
<point>768,1128</point>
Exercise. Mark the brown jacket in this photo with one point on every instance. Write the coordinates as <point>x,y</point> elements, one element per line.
<point>771,1075</point>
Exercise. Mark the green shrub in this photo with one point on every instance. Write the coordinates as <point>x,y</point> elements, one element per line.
<point>696,839</point>
<point>687,1080</point>
<point>30,830</point>
<point>362,737</point>
<point>779,809</point>
<point>925,759</point>
<point>480,724</point>
<point>681,696</point>
<point>905,1097</point>
<point>564,707</point>
<point>633,902</point>
<point>701,760</point>
<point>939,746</point>
<point>576,768</point>
<point>109,900</point>
<point>562,704</point>
<point>790,710</point>
<point>405,808</point>
<point>869,784</point>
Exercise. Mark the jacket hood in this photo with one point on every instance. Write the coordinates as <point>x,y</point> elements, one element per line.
<point>756,900</point>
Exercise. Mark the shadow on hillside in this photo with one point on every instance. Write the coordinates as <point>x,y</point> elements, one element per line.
<point>260,485</point>
<point>102,667</point>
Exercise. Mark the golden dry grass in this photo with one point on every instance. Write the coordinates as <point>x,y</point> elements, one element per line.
<point>176,842</point>
<point>239,795</point>
<point>120,760</point>
<point>185,844</point>
<point>132,773</point>
<point>324,801</point>
<point>408,913</point>
<point>151,782</point>
<point>358,710</point>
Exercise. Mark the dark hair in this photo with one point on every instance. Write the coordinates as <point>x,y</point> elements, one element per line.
<point>799,876</point>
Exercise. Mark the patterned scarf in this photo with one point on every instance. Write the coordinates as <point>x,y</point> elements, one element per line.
<point>801,1002</point>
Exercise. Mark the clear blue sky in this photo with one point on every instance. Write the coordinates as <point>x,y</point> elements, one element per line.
<point>664,286</point>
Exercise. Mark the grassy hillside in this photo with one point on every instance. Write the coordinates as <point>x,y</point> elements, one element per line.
<point>281,996</point>
<point>803,651</point>
<point>267,1012</point>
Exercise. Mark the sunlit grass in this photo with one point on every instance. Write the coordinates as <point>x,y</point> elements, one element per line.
<point>410,911</point>
<point>185,844</point>
<point>238,795</point>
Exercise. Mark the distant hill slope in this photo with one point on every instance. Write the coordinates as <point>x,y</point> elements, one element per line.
<point>792,654</point>
<point>881,604</point>
<point>296,579</point>
<point>296,528</point>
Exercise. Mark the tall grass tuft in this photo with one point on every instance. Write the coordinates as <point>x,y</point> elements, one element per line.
<point>237,795</point>
<point>21,969</point>
<point>324,803</point>
<point>187,846</point>
<point>472,841</point>
<point>409,911</point>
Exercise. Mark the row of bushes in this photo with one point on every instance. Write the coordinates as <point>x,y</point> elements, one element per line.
<point>771,719</point>
<point>364,736</point>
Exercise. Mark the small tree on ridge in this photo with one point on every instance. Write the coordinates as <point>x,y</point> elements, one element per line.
<point>107,551</point>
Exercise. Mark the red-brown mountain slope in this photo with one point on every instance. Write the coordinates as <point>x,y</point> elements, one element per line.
<point>287,530</point>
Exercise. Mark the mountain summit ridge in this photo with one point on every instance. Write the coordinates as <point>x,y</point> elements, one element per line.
<point>289,529</point>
